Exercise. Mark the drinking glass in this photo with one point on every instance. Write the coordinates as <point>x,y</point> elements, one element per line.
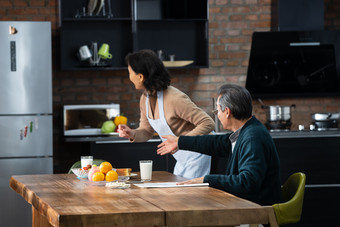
<point>86,160</point>
<point>145,170</point>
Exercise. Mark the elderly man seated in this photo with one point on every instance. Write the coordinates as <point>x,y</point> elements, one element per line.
<point>252,172</point>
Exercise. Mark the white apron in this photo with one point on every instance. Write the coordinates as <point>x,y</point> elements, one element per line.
<point>189,164</point>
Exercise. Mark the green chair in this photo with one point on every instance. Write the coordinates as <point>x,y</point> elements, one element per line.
<point>78,164</point>
<point>289,211</point>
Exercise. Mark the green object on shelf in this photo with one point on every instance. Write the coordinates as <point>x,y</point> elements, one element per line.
<point>130,25</point>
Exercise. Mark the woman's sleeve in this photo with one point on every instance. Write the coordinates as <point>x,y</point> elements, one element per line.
<point>189,111</point>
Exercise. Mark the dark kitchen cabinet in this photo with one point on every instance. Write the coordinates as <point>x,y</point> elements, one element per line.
<point>319,159</point>
<point>176,27</point>
<point>318,156</point>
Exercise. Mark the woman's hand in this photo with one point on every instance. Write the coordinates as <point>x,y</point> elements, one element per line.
<point>168,146</point>
<point>192,181</point>
<point>125,132</point>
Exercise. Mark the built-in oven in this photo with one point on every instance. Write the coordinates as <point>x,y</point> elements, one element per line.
<point>87,120</point>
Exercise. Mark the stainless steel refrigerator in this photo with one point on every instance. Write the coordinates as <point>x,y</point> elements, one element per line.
<point>25,111</point>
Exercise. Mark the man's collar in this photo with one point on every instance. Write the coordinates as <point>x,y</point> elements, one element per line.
<point>233,136</point>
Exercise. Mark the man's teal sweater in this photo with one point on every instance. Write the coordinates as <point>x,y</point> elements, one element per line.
<point>253,170</point>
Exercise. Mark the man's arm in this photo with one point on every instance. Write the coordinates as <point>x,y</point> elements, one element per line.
<point>214,145</point>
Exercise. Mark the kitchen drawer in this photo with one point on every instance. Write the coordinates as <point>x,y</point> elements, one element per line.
<point>318,158</point>
<point>320,207</point>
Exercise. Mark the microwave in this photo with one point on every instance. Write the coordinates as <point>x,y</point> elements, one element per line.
<point>87,120</point>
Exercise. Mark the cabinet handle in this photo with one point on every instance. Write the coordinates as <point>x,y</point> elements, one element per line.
<point>322,185</point>
<point>125,141</point>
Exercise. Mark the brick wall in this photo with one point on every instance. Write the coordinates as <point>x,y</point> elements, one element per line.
<point>231,24</point>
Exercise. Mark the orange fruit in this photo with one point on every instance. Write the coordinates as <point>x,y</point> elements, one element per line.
<point>111,176</point>
<point>105,167</point>
<point>98,176</point>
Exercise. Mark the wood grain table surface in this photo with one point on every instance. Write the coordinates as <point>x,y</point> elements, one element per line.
<point>64,200</point>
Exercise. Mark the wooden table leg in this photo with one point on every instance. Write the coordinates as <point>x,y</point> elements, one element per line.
<point>271,216</point>
<point>39,220</point>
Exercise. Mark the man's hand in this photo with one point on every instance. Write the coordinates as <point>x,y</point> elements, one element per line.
<point>192,181</point>
<point>168,146</point>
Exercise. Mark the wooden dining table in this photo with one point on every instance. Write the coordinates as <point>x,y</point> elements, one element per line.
<point>65,200</point>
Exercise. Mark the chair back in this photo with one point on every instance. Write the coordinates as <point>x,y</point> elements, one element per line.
<point>78,164</point>
<point>289,211</point>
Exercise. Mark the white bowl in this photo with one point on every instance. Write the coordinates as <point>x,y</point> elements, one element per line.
<point>80,172</point>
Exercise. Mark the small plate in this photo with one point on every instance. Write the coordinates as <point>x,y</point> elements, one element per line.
<point>133,175</point>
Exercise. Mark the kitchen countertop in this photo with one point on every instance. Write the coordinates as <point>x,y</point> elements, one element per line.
<point>104,139</point>
<point>274,134</point>
<point>305,134</point>
<point>301,134</point>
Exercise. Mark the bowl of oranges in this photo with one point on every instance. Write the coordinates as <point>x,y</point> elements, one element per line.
<point>103,172</point>
<point>98,175</point>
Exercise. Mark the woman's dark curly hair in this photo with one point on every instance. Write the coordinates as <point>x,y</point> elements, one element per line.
<point>146,62</point>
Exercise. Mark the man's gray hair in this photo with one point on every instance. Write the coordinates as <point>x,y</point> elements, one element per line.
<point>237,99</point>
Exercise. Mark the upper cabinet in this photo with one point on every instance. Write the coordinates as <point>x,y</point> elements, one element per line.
<point>177,30</point>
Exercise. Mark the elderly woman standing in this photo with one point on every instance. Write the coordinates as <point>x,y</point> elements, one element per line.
<point>166,110</point>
